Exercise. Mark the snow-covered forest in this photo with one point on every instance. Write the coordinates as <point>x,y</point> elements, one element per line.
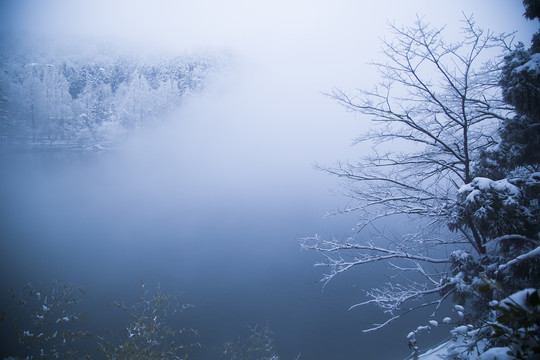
<point>69,97</point>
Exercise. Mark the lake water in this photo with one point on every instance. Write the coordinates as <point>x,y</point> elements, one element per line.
<point>107,220</point>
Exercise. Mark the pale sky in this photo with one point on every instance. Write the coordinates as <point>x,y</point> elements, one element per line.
<point>269,109</point>
<point>250,24</point>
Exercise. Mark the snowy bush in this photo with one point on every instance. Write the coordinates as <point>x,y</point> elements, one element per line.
<point>511,331</point>
<point>48,323</point>
<point>149,334</point>
<point>258,345</point>
<point>517,325</point>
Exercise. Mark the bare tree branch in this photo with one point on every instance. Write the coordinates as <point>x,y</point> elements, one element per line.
<point>434,111</point>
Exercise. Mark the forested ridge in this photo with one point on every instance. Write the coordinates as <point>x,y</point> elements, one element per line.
<point>88,96</point>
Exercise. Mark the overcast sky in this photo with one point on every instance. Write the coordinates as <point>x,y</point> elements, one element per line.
<point>329,29</point>
<point>269,108</point>
<point>320,39</point>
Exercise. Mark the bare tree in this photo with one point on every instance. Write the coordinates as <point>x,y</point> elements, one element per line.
<point>435,110</point>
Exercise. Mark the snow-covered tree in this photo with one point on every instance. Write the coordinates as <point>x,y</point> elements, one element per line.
<point>507,210</point>
<point>438,113</point>
<point>258,345</point>
<point>435,111</point>
<point>520,134</point>
<point>441,121</point>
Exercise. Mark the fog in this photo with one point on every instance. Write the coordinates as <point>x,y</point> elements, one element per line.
<point>211,202</point>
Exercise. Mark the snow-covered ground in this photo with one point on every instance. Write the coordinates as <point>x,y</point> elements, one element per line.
<point>441,352</point>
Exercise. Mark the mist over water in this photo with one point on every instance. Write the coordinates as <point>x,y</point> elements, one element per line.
<point>233,255</point>
<point>209,208</point>
<point>210,203</point>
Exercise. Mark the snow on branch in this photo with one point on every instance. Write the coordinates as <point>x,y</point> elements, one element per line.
<point>514,237</point>
<point>391,299</point>
<point>377,253</point>
<point>520,258</point>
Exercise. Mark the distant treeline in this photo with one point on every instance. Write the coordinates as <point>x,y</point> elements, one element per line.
<point>90,98</point>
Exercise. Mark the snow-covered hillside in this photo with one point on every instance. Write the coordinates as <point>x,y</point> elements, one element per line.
<point>87,97</point>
